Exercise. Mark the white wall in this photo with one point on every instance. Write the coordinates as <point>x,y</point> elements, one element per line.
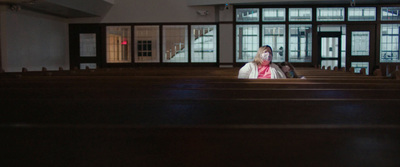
<point>226,43</point>
<point>33,40</point>
<point>110,1</point>
<point>152,11</point>
<point>225,13</point>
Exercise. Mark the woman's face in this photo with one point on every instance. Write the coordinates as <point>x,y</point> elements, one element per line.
<point>266,57</point>
<point>265,62</point>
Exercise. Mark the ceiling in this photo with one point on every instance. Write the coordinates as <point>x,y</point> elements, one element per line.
<point>94,8</point>
<point>63,8</point>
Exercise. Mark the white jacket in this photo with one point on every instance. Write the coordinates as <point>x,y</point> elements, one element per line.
<point>250,71</point>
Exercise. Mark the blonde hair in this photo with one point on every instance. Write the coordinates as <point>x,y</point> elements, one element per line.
<point>258,60</point>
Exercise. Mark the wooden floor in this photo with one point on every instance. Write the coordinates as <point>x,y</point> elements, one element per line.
<point>197,117</point>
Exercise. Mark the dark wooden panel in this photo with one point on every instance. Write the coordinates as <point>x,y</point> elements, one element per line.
<point>200,147</point>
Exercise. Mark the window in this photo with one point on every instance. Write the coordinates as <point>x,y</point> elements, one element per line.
<point>247,42</point>
<point>362,14</point>
<point>247,15</point>
<point>300,14</point>
<point>358,65</point>
<point>360,43</point>
<point>390,13</point>
<point>390,43</point>
<point>274,36</point>
<point>147,44</point>
<point>329,47</point>
<point>83,66</point>
<point>330,14</point>
<point>144,48</point>
<point>175,42</point>
<point>274,14</point>
<point>329,63</point>
<point>118,44</point>
<point>87,45</point>
<point>204,43</point>
<point>300,43</point>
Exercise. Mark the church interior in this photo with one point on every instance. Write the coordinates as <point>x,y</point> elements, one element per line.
<point>155,83</point>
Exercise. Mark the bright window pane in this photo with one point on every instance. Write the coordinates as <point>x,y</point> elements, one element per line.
<point>118,44</point>
<point>330,14</point>
<point>274,14</point>
<point>329,63</point>
<point>390,13</point>
<point>358,65</point>
<point>204,43</point>
<point>147,44</point>
<point>300,43</point>
<point>274,36</point>
<point>83,66</point>
<point>362,14</point>
<point>247,42</point>
<point>175,40</point>
<point>300,14</point>
<point>390,43</point>
<point>331,28</point>
<point>360,43</point>
<point>87,45</point>
<point>247,15</point>
<point>329,47</point>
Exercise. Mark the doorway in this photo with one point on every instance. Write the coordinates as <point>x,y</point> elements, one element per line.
<point>329,48</point>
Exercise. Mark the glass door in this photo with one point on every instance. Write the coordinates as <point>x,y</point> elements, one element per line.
<point>329,49</point>
<point>361,44</point>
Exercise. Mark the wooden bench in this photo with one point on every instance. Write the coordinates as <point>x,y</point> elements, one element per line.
<point>198,117</point>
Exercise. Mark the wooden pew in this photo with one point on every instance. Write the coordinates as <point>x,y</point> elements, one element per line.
<point>198,117</point>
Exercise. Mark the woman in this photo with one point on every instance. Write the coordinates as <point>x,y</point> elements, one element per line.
<point>261,67</point>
